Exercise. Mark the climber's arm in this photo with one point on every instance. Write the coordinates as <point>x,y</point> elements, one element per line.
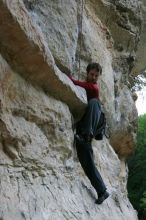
<point>82,84</point>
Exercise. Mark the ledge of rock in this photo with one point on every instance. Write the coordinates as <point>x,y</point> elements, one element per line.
<point>24,48</point>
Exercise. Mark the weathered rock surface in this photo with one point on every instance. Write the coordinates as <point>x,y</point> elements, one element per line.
<point>140,64</point>
<point>39,42</point>
<point>31,56</point>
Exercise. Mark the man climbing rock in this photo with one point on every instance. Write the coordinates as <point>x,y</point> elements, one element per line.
<point>87,127</point>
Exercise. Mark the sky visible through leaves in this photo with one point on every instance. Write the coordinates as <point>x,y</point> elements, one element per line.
<point>141,92</point>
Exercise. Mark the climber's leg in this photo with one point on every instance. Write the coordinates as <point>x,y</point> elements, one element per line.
<point>89,122</point>
<point>85,155</point>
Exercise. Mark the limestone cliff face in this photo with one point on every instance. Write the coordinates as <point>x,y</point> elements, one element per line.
<point>40,176</point>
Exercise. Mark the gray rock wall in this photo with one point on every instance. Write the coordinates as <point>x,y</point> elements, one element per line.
<point>40,175</point>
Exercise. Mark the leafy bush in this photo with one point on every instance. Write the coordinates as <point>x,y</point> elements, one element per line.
<point>143,202</point>
<point>137,171</point>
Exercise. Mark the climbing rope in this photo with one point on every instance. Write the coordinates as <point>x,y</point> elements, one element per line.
<point>80,35</point>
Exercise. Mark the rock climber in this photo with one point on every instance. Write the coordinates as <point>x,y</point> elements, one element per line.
<point>86,129</point>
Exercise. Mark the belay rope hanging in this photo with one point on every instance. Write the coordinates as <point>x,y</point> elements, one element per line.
<point>80,35</point>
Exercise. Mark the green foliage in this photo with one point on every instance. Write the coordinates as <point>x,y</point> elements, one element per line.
<point>143,202</point>
<point>137,170</point>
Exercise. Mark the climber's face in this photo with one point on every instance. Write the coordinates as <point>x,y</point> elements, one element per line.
<point>92,75</point>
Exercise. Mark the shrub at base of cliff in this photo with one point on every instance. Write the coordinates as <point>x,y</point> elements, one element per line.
<point>137,168</point>
<point>143,204</point>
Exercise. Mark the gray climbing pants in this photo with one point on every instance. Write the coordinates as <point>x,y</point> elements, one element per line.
<point>88,126</point>
<point>89,122</point>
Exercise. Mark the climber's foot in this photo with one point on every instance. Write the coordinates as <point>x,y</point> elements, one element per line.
<point>101,198</point>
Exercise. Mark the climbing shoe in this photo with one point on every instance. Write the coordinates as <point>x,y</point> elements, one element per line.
<point>101,198</point>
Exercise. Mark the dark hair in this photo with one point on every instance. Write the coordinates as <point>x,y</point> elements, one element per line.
<point>92,66</point>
